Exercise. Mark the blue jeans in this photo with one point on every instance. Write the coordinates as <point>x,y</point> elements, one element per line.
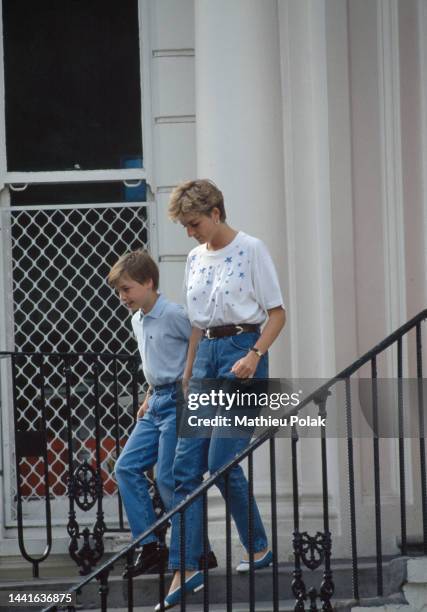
<point>194,456</point>
<point>153,440</point>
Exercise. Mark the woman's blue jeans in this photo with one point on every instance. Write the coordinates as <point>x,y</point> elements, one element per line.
<point>152,441</point>
<point>194,456</point>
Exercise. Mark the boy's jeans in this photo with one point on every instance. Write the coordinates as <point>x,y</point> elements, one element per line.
<point>194,456</point>
<point>153,440</point>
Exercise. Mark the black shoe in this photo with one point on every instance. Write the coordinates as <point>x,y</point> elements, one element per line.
<point>151,560</point>
<point>212,562</point>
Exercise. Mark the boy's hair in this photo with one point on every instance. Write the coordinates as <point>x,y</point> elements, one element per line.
<point>138,265</point>
<point>199,196</point>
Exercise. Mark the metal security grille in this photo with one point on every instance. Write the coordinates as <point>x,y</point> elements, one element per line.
<point>62,303</point>
<point>60,259</point>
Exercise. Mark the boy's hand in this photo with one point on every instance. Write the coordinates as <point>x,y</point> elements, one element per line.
<point>185,387</point>
<point>143,408</point>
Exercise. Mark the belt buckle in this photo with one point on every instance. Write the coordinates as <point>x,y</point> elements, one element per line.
<point>240,328</point>
<point>208,334</point>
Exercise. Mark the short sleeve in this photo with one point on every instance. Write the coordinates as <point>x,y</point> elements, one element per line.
<point>180,323</point>
<point>185,285</point>
<point>265,279</point>
<point>135,321</point>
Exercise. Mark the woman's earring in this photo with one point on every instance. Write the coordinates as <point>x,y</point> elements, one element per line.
<point>217,221</point>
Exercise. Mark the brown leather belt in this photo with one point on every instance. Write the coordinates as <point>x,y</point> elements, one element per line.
<point>229,330</point>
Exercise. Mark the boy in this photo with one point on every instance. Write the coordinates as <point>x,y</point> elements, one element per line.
<point>162,330</point>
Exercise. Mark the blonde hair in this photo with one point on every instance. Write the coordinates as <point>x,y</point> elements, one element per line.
<point>138,265</point>
<point>199,196</point>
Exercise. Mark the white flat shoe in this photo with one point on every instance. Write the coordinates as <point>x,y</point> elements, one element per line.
<point>265,561</point>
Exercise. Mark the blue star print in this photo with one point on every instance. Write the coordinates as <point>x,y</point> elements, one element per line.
<point>241,275</point>
<point>228,259</point>
<point>241,253</point>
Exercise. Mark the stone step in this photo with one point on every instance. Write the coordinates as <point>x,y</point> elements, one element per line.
<point>260,606</point>
<point>389,604</point>
<point>146,588</point>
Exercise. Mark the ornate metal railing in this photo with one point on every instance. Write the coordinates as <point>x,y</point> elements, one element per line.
<point>72,413</point>
<point>310,550</point>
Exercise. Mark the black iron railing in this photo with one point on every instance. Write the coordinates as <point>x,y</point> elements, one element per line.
<point>311,551</point>
<point>67,421</point>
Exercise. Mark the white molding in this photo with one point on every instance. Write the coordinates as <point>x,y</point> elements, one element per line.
<point>146,93</point>
<point>285,55</point>
<point>53,207</point>
<point>172,258</point>
<point>5,267</point>
<point>7,344</point>
<point>173,52</point>
<point>146,59</point>
<point>391,163</point>
<point>175,119</point>
<point>153,224</point>
<point>5,330</point>
<point>422,51</point>
<point>74,176</point>
<point>165,188</point>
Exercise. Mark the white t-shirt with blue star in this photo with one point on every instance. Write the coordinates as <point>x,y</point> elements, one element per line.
<point>236,284</point>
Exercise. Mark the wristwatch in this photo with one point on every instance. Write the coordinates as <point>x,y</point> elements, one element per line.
<point>256,351</point>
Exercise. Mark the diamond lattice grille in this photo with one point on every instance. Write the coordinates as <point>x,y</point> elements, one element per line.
<point>115,416</point>
<point>62,303</point>
<point>60,261</point>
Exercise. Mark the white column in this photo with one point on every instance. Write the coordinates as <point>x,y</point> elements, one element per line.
<point>308,185</point>
<point>317,163</point>
<point>305,129</point>
<point>239,122</point>
<point>239,146</point>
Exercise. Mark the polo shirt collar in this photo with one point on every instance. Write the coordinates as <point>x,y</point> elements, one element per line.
<point>157,309</point>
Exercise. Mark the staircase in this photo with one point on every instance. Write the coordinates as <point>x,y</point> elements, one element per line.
<point>411,573</point>
<point>320,582</point>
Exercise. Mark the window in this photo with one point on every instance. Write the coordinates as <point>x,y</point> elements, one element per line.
<point>72,84</point>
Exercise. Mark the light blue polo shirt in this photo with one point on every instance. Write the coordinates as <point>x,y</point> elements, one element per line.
<point>162,335</point>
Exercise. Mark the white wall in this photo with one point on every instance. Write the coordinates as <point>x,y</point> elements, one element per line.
<point>173,127</point>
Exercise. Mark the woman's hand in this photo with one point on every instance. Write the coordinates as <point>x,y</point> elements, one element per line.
<point>143,408</point>
<point>245,367</point>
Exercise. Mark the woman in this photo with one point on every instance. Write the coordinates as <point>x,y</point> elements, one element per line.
<point>231,290</point>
